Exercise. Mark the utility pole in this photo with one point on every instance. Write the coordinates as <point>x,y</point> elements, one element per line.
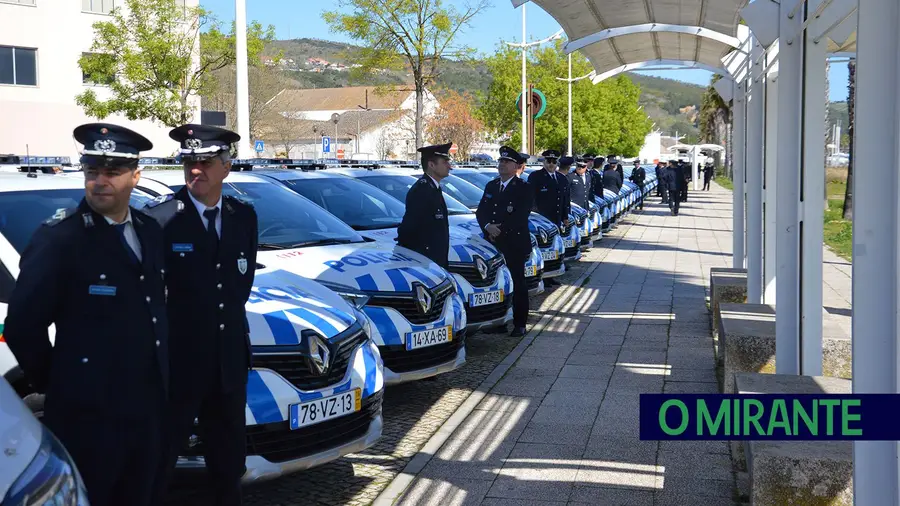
<point>570,81</point>
<point>243,80</point>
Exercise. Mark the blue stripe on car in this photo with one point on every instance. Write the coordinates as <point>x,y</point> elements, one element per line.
<point>282,329</point>
<point>315,320</point>
<point>382,321</point>
<point>261,401</point>
<point>419,275</point>
<point>367,283</point>
<point>371,369</point>
<point>398,280</point>
<point>462,252</point>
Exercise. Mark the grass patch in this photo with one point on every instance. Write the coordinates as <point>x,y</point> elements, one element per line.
<point>724,182</point>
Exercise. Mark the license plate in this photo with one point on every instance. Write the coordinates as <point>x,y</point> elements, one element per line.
<point>570,243</point>
<point>426,338</point>
<point>550,255</point>
<point>530,271</point>
<point>324,409</point>
<point>483,299</point>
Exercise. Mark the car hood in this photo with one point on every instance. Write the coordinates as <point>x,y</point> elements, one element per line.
<point>368,266</point>
<point>465,241</point>
<point>20,436</point>
<point>282,305</point>
<point>537,222</point>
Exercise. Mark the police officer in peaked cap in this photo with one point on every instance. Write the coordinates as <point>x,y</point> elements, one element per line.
<point>503,216</point>
<point>581,184</point>
<point>425,227</point>
<point>551,190</point>
<point>210,248</point>
<point>95,271</point>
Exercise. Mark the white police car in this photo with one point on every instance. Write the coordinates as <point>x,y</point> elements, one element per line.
<point>418,318</point>
<point>309,346</point>
<point>397,182</point>
<point>35,467</point>
<point>480,271</point>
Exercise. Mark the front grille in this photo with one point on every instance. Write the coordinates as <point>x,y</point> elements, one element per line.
<point>489,312</point>
<point>550,235</point>
<point>408,306</point>
<point>552,265</point>
<point>292,365</point>
<point>567,229</point>
<point>585,240</point>
<point>398,359</point>
<point>471,274</point>
<point>534,281</point>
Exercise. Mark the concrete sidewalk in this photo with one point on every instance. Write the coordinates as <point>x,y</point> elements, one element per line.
<point>561,425</point>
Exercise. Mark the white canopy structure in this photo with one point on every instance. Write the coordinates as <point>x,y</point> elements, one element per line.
<point>774,70</point>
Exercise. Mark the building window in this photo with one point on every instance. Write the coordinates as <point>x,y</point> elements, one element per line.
<point>20,2</point>
<point>98,6</point>
<point>18,65</point>
<point>98,79</point>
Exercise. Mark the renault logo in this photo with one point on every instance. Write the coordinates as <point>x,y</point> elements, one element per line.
<point>424,298</point>
<point>543,234</point>
<point>319,355</point>
<point>482,267</point>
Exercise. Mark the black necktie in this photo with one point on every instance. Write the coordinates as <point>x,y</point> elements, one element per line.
<point>210,215</point>
<point>120,229</point>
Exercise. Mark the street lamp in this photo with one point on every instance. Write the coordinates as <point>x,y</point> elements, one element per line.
<point>570,81</point>
<point>358,113</point>
<point>524,45</point>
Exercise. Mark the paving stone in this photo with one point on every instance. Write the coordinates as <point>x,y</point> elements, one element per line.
<point>614,449</point>
<point>438,492</point>
<point>591,398</point>
<point>642,356</point>
<point>695,486</point>
<point>690,387</point>
<point>595,373</point>
<point>705,375</point>
<point>505,403</point>
<point>539,366</point>
<point>617,475</point>
<point>587,494</point>
<point>672,499</point>
<point>552,433</point>
<point>535,386</point>
<point>493,501</point>
<point>578,385</point>
<point>712,466</point>
<point>695,446</point>
<point>563,415</point>
<point>647,331</point>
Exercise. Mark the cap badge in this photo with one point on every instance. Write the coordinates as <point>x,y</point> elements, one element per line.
<point>104,131</point>
<point>193,143</point>
<point>105,145</point>
<point>190,132</point>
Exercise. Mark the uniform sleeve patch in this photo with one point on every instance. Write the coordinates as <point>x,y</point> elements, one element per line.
<point>162,199</point>
<point>60,215</point>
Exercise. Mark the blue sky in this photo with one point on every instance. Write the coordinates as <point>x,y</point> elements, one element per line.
<point>302,18</point>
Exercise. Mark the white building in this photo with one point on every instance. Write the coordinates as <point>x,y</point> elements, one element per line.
<point>384,130</point>
<point>40,44</point>
<point>656,148</point>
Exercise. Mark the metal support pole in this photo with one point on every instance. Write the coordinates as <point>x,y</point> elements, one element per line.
<point>569,153</point>
<point>695,174</point>
<point>875,238</point>
<point>738,142</point>
<point>770,202</point>
<point>524,86</point>
<point>813,206</point>
<point>787,215</point>
<point>754,169</point>
<point>243,80</point>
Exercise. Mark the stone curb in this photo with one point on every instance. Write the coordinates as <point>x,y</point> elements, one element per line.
<point>398,486</point>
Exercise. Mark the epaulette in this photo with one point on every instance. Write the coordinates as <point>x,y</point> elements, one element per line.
<point>60,216</point>
<point>163,209</point>
<point>162,199</point>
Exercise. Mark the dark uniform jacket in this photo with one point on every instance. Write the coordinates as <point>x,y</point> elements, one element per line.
<point>207,291</point>
<point>565,195</point>
<point>596,182</point>
<point>580,192</point>
<point>638,175</point>
<point>550,200</point>
<point>612,181</point>
<point>110,356</point>
<point>708,172</point>
<point>425,227</point>
<point>674,178</point>
<point>509,209</point>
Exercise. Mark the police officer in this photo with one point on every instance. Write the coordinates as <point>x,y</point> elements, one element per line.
<point>425,227</point>
<point>581,185</point>
<point>611,179</point>
<point>211,243</point>
<point>660,168</point>
<point>674,182</point>
<point>708,173</point>
<point>503,216</point>
<point>550,192</point>
<point>95,271</point>
<point>565,165</point>
<point>685,170</point>
<point>638,175</point>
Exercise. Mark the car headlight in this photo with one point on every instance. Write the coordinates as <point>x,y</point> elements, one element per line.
<point>50,478</point>
<point>365,322</point>
<point>355,297</point>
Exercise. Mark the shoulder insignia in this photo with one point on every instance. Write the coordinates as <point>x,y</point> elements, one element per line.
<point>62,214</point>
<point>163,209</point>
<point>162,199</point>
<point>422,180</point>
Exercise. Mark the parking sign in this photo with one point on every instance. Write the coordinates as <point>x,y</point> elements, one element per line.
<point>326,144</point>
<point>260,146</point>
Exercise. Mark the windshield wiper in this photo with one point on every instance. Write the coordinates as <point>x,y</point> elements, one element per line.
<point>321,242</point>
<point>269,246</point>
<point>376,227</point>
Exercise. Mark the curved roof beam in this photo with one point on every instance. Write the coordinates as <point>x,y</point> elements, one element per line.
<point>654,63</point>
<point>609,33</point>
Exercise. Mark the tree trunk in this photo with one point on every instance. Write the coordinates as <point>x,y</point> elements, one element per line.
<point>420,111</point>
<point>851,109</point>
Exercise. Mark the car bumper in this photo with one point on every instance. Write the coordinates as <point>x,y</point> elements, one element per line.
<point>395,378</point>
<point>473,326</point>
<point>558,272</point>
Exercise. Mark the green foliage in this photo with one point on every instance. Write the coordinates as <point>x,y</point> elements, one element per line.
<point>605,116</point>
<point>714,113</point>
<point>146,55</point>
<point>403,34</point>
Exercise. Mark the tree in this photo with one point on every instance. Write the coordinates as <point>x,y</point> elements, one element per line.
<point>149,57</point>
<point>283,132</point>
<point>384,145</point>
<point>851,108</point>
<point>416,34</point>
<point>456,122</point>
<point>714,114</point>
<point>605,116</point>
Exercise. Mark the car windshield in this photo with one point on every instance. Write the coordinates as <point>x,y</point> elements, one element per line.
<point>463,191</point>
<point>398,186</point>
<point>287,220</point>
<point>360,205</point>
<point>22,212</point>
<point>479,179</point>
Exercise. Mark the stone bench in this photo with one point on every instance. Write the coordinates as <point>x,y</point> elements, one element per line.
<point>747,344</point>
<point>796,472</point>
<point>726,286</point>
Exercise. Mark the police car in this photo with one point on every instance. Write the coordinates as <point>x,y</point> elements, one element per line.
<point>551,244</point>
<point>418,318</point>
<point>35,468</point>
<point>397,182</point>
<point>479,270</point>
<point>310,347</point>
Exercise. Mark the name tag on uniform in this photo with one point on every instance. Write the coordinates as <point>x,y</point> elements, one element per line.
<point>182,248</point>
<point>543,189</point>
<point>488,196</point>
<point>439,216</point>
<point>105,290</point>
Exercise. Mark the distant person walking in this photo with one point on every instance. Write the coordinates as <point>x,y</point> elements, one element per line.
<point>708,173</point>
<point>674,182</point>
